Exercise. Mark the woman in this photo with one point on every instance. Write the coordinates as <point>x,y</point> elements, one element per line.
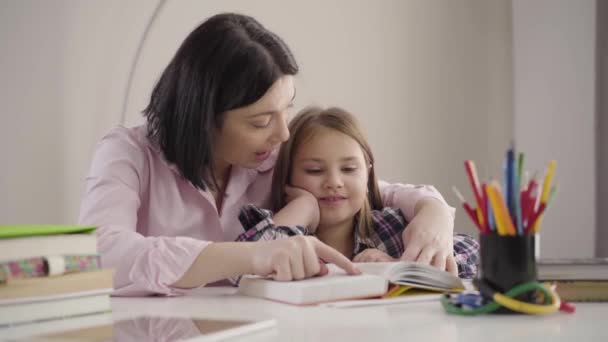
<point>165,195</point>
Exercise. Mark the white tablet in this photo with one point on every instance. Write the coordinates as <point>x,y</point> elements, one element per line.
<point>163,329</point>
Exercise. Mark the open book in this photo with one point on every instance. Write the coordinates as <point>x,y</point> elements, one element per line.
<point>337,285</point>
<point>414,274</point>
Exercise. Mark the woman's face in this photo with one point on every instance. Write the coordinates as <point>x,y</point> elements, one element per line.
<point>249,134</point>
<point>331,166</point>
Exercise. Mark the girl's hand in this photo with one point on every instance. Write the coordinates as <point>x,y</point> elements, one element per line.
<point>373,255</point>
<point>306,203</point>
<point>296,258</point>
<point>429,238</point>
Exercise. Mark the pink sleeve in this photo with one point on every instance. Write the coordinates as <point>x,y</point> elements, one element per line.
<point>143,265</point>
<point>405,196</point>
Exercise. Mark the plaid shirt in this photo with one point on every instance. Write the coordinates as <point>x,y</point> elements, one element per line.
<point>389,224</point>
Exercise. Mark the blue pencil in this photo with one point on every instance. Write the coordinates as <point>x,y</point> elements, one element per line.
<point>491,223</point>
<point>517,194</point>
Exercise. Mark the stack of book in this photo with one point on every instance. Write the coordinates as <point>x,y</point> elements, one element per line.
<point>50,272</point>
<point>577,280</point>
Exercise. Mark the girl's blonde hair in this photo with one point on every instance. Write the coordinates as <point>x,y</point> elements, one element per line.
<point>302,128</point>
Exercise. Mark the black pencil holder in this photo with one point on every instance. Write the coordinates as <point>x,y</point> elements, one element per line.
<point>507,261</point>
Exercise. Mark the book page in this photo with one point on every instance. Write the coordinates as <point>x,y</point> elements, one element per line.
<point>413,273</point>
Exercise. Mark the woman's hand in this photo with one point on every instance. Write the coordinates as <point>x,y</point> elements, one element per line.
<point>429,237</point>
<point>373,255</point>
<point>296,258</point>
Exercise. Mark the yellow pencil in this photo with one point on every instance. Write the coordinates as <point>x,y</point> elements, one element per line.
<point>545,194</point>
<point>501,212</point>
<point>498,219</point>
<point>547,182</point>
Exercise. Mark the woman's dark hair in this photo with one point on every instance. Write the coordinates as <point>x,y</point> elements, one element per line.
<point>227,62</point>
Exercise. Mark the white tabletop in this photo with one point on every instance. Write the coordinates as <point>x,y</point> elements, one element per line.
<point>413,321</point>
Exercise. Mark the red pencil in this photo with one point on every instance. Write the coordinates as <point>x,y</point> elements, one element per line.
<point>472,215</point>
<point>470,211</point>
<point>531,200</point>
<point>481,205</point>
<point>535,217</point>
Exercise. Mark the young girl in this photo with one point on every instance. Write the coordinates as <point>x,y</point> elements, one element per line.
<point>326,168</point>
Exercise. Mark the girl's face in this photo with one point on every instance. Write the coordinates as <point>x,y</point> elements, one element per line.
<point>331,166</point>
<point>249,134</point>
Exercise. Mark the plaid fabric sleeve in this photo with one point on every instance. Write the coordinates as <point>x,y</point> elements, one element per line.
<point>389,224</point>
<point>259,226</point>
<point>466,254</point>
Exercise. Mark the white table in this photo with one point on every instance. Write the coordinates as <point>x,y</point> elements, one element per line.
<point>411,321</point>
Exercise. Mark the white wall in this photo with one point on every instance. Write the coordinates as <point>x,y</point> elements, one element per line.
<point>554,77</point>
<point>601,195</point>
<point>63,68</point>
<point>431,81</point>
<point>32,84</point>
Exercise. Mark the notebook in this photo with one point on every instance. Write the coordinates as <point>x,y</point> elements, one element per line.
<point>54,307</point>
<point>30,289</point>
<point>16,231</point>
<point>582,290</point>
<point>19,242</point>
<point>572,269</point>
<point>338,286</point>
